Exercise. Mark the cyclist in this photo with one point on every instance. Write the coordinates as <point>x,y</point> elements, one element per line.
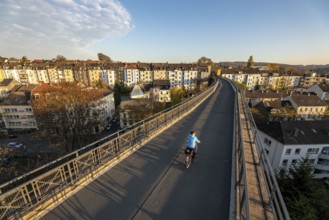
<point>191,140</point>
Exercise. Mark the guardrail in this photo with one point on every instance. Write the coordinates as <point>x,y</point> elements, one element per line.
<point>276,201</point>
<point>242,200</point>
<point>24,193</point>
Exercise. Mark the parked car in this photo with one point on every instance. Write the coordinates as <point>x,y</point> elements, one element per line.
<point>108,127</point>
<point>15,145</point>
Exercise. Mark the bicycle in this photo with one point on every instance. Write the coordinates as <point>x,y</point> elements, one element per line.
<point>189,156</point>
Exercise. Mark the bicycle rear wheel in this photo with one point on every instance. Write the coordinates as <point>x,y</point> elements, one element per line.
<point>188,160</point>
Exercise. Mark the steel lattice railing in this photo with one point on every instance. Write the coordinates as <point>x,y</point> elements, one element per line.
<point>242,201</point>
<point>22,194</point>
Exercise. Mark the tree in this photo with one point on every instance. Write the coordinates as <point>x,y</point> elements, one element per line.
<point>250,62</point>
<point>273,67</point>
<point>297,187</point>
<point>101,85</point>
<point>104,58</point>
<point>25,60</point>
<point>204,61</point>
<point>120,89</point>
<point>177,95</point>
<point>60,58</point>
<point>67,113</point>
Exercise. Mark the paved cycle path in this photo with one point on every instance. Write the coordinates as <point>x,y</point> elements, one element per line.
<point>153,183</point>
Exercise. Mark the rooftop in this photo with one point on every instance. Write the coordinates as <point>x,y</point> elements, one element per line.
<point>298,132</point>
<point>307,100</point>
<point>264,94</point>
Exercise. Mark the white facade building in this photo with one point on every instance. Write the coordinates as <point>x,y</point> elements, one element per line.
<point>190,79</point>
<point>175,77</point>
<point>287,142</point>
<point>322,90</point>
<point>32,76</point>
<point>108,77</point>
<point>43,75</point>
<point>131,75</point>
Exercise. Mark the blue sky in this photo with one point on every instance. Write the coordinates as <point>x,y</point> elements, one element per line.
<point>281,31</point>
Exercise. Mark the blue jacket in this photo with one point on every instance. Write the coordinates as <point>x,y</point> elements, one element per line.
<point>191,139</point>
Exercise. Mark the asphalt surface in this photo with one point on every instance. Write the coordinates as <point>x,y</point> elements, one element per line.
<point>153,183</point>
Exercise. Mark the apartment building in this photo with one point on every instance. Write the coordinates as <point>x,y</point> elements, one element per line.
<point>308,107</point>
<point>67,73</point>
<point>190,77</point>
<point>160,73</point>
<point>53,74</point>
<point>17,112</point>
<point>2,74</point>
<point>256,97</point>
<point>105,107</point>
<point>11,72</point>
<point>6,86</point>
<point>108,76</point>
<point>131,75</point>
<point>253,80</point>
<point>287,142</point>
<point>175,77</point>
<point>101,108</point>
<point>160,92</point>
<point>94,74</point>
<point>32,76</point>
<point>146,75</point>
<point>309,81</point>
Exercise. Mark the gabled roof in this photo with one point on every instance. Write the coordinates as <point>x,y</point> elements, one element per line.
<point>324,87</point>
<point>307,100</point>
<point>268,94</point>
<point>6,82</point>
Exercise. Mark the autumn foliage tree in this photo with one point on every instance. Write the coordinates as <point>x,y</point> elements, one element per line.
<point>177,95</point>
<point>67,112</point>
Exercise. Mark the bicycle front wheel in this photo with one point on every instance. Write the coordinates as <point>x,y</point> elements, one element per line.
<point>188,160</point>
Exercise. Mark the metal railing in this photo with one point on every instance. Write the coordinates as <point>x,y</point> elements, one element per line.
<point>24,193</point>
<point>276,201</point>
<point>242,198</point>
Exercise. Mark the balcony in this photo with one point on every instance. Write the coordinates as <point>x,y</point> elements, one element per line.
<point>324,156</point>
<point>324,167</point>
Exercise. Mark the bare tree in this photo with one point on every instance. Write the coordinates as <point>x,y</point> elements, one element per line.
<point>68,113</point>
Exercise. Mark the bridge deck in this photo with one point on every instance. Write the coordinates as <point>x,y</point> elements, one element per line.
<point>153,183</point>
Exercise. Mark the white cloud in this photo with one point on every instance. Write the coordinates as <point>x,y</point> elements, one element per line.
<point>53,27</point>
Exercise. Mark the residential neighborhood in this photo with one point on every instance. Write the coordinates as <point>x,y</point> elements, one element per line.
<point>292,115</point>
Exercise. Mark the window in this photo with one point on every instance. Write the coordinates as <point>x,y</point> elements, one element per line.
<point>267,141</point>
<point>297,151</point>
<point>325,150</point>
<point>312,150</point>
<point>293,162</point>
<point>284,163</point>
<point>288,151</point>
<point>312,161</point>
